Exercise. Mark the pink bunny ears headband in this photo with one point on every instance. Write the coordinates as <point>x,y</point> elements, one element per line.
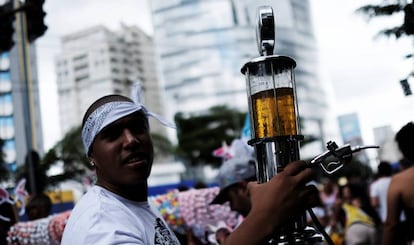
<point>238,148</point>
<point>20,195</point>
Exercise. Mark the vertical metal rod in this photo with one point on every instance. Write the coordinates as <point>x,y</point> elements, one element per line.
<point>25,74</point>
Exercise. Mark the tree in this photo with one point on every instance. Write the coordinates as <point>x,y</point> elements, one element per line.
<point>68,150</point>
<point>406,28</point>
<point>163,148</point>
<point>388,8</point>
<point>200,134</point>
<point>4,172</point>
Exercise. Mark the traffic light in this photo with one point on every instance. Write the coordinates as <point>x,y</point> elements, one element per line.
<point>35,19</point>
<point>6,27</point>
<point>409,19</point>
<point>406,87</point>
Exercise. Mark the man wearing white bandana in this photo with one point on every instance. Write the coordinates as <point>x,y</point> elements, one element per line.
<point>115,133</point>
<point>116,136</point>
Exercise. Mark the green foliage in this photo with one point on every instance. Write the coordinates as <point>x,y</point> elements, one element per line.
<point>4,173</point>
<point>388,8</point>
<point>380,10</point>
<point>406,28</point>
<point>162,146</point>
<point>70,151</point>
<point>307,139</point>
<point>200,134</point>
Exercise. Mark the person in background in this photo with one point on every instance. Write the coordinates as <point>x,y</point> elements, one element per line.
<point>116,136</point>
<point>233,178</point>
<point>378,193</point>
<point>328,194</point>
<point>37,181</point>
<point>39,206</point>
<point>8,217</point>
<point>379,188</point>
<point>403,164</point>
<point>357,216</point>
<point>282,199</point>
<point>400,196</point>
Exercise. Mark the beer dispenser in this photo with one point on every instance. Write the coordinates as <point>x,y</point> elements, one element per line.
<point>272,102</point>
<point>273,108</point>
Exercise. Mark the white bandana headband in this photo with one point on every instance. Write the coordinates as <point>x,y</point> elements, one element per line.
<point>112,111</point>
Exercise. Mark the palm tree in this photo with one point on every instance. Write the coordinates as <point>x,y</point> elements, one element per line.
<point>200,133</point>
<point>389,8</point>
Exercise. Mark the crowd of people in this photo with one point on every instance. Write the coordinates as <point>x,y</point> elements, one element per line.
<point>354,211</point>
<point>376,210</point>
<point>117,209</point>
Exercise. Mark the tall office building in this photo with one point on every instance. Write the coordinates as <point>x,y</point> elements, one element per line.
<point>7,119</point>
<point>20,117</point>
<point>202,46</point>
<point>95,62</point>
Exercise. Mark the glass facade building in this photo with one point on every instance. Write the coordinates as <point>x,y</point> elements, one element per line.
<point>20,121</point>
<point>202,46</point>
<point>20,115</point>
<point>6,113</point>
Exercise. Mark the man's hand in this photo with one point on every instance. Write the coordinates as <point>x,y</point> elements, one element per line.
<point>286,196</point>
<point>283,199</point>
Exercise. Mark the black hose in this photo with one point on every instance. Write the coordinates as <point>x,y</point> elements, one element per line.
<point>320,227</point>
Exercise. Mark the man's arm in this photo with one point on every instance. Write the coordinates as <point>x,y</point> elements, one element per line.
<point>282,199</point>
<point>373,194</point>
<point>374,202</point>
<point>393,211</point>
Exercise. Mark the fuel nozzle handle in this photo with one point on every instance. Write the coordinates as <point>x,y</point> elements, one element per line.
<point>340,156</point>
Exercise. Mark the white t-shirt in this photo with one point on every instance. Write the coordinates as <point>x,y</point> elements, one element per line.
<point>379,189</point>
<point>102,217</point>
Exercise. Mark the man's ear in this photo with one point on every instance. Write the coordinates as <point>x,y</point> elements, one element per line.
<point>91,161</point>
<point>243,186</point>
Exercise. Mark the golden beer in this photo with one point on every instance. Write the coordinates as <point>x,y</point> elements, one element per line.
<point>274,114</point>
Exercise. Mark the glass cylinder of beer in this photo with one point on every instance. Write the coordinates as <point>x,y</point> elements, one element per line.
<point>271,95</point>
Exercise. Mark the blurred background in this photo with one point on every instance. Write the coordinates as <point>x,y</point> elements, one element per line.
<point>353,79</point>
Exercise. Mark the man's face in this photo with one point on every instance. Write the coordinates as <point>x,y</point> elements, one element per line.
<point>239,198</point>
<point>123,152</point>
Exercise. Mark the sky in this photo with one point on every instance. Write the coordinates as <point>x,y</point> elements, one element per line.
<point>363,72</point>
<point>66,17</point>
